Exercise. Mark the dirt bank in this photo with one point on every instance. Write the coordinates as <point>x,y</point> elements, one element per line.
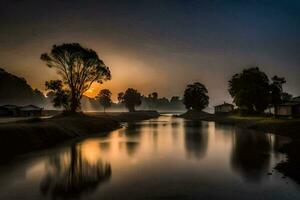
<point>28,135</point>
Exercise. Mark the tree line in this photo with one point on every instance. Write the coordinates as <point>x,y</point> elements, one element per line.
<point>80,67</point>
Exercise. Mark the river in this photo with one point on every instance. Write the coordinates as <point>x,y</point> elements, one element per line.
<point>163,158</point>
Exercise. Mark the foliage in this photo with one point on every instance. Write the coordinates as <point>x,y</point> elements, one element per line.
<point>195,97</point>
<point>78,67</point>
<point>16,90</point>
<point>175,100</point>
<point>285,97</point>
<point>104,98</point>
<point>120,97</point>
<point>60,97</point>
<point>130,98</point>
<point>250,89</point>
<point>276,90</point>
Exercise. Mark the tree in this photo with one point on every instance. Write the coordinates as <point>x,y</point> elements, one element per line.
<point>195,97</point>
<point>276,90</point>
<point>250,89</point>
<point>130,98</point>
<point>104,98</point>
<point>38,97</point>
<point>175,100</point>
<point>154,96</point>
<point>152,100</point>
<point>120,97</point>
<point>59,96</point>
<point>285,97</point>
<point>16,90</point>
<point>78,67</point>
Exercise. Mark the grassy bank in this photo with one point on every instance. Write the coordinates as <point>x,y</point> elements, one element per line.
<point>33,134</point>
<point>284,127</point>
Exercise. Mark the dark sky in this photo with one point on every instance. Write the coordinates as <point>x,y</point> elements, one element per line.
<point>157,45</point>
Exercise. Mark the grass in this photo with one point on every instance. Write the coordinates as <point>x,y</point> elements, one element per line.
<point>286,127</point>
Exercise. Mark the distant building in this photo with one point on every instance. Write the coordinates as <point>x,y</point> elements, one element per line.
<point>9,111</point>
<point>30,110</point>
<point>288,109</point>
<point>224,108</point>
<point>20,111</point>
<point>296,99</point>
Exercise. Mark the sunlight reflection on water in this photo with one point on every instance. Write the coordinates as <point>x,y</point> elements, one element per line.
<point>164,158</point>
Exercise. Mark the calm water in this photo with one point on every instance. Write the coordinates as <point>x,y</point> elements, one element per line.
<point>165,158</point>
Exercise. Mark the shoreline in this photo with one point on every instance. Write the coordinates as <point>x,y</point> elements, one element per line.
<point>36,134</point>
<point>285,127</point>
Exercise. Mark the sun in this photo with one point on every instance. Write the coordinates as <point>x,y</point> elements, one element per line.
<point>90,92</point>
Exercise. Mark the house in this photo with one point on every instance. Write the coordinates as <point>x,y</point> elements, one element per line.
<point>288,109</point>
<point>20,111</point>
<point>8,111</point>
<point>224,108</point>
<point>30,110</point>
<point>297,99</point>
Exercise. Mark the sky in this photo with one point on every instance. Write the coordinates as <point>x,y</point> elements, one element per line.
<point>156,45</point>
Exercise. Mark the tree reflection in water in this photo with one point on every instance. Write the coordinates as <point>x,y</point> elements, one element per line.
<point>70,175</point>
<point>133,130</point>
<point>133,133</point>
<point>196,138</point>
<point>251,155</point>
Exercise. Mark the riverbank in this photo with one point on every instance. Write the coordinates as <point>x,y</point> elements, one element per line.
<point>36,133</point>
<point>285,127</point>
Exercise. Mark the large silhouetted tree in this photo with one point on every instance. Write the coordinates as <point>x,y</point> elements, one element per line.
<point>78,67</point>
<point>130,98</point>
<point>104,98</point>
<point>195,97</point>
<point>250,89</point>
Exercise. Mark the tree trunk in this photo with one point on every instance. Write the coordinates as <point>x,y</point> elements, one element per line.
<point>74,104</point>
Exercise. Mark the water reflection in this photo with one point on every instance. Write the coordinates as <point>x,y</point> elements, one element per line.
<point>70,175</point>
<point>251,155</point>
<point>168,158</point>
<point>132,133</point>
<point>104,146</point>
<point>195,138</point>
<point>133,130</point>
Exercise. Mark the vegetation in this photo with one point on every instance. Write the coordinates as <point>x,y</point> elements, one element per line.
<point>276,89</point>
<point>15,90</point>
<point>251,90</point>
<point>60,97</point>
<point>195,97</point>
<point>78,67</point>
<point>104,98</point>
<point>130,98</point>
